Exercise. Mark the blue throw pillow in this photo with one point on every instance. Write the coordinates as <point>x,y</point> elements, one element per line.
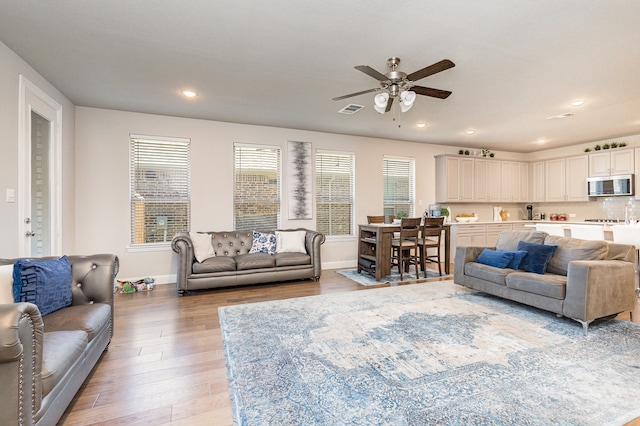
<point>497,258</point>
<point>518,255</point>
<point>537,258</point>
<point>45,283</point>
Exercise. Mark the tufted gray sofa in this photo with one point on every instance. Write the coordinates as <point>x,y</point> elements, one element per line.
<point>585,280</point>
<point>45,360</point>
<point>233,264</point>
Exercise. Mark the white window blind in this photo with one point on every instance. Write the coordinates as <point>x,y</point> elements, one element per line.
<point>334,192</point>
<point>256,200</point>
<point>160,193</point>
<point>399,186</point>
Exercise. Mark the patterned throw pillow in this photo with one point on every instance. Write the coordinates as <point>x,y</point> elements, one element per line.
<point>263,243</point>
<point>45,283</point>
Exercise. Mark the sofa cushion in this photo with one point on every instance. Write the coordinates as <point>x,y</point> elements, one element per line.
<point>486,272</point>
<point>215,264</point>
<point>91,319</point>
<point>292,259</point>
<point>570,249</point>
<point>263,243</point>
<point>291,242</point>
<point>548,285</point>
<point>509,240</point>
<point>255,261</point>
<point>497,258</point>
<point>44,282</point>
<point>518,256</point>
<point>537,258</point>
<point>202,246</point>
<point>61,349</point>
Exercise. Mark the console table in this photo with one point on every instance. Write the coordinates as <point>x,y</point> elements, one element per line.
<point>374,248</point>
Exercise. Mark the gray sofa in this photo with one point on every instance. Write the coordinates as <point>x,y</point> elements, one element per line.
<point>233,264</point>
<point>585,280</point>
<point>45,360</point>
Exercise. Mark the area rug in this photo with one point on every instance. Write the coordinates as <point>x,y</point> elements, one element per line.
<point>425,354</point>
<point>368,279</point>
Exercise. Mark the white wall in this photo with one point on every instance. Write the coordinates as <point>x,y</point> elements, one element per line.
<point>11,67</point>
<point>102,189</point>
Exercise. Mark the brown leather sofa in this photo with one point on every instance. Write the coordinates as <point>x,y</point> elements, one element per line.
<point>233,264</point>
<point>45,360</point>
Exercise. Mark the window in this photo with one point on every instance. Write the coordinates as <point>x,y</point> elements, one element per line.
<point>160,195</point>
<point>256,195</point>
<point>399,193</point>
<point>334,192</point>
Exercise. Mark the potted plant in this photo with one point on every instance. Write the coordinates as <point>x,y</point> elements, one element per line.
<point>466,152</point>
<point>622,144</point>
<point>461,152</point>
<point>444,211</point>
<point>587,150</point>
<point>597,147</point>
<point>605,146</point>
<point>614,144</point>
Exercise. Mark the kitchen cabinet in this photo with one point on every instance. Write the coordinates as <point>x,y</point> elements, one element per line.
<point>480,175</point>
<point>576,178</point>
<point>538,182</point>
<point>454,179</point>
<point>566,179</point>
<point>637,176</point>
<point>554,185</point>
<point>611,162</point>
<point>509,181</point>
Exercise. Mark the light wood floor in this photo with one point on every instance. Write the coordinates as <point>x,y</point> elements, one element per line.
<point>165,364</point>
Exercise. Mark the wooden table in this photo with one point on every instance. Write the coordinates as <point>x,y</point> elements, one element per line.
<point>374,248</point>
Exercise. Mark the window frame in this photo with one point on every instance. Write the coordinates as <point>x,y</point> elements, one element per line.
<point>352,156</point>
<point>163,245</point>
<point>279,150</point>
<point>412,185</point>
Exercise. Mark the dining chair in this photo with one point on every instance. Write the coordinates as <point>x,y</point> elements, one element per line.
<point>375,219</point>
<point>431,239</point>
<point>587,232</point>
<point>550,228</point>
<point>405,248</point>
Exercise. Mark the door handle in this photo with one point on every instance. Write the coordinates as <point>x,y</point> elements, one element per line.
<point>29,234</point>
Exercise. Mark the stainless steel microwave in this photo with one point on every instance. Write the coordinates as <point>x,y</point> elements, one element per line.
<point>609,186</point>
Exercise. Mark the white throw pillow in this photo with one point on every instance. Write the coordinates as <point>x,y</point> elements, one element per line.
<point>290,242</point>
<point>6,283</point>
<point>202,247</point>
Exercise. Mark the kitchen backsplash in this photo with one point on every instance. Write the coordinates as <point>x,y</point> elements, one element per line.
<point>603,208</point>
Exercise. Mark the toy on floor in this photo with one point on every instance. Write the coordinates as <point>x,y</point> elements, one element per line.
<point>144,284</point>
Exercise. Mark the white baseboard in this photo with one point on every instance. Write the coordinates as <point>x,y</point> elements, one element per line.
<point>340,264</point>
<point>159,279</point>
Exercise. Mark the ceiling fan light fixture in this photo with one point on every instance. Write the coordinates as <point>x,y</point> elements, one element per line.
<point>381,100</point>
<point>408,97</point>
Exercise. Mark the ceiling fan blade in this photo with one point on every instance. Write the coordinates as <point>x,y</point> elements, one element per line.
<point>428,91</point>
<point>371,72</point>
<point>444,64</point>
<point>389,103</point>
<point>339,98</point>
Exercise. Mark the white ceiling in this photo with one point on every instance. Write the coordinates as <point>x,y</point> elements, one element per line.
<point>279,63</point>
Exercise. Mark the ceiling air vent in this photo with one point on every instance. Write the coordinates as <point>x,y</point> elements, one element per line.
<point>351,109</point>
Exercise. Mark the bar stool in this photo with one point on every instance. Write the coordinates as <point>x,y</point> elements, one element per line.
<point>431,238</point>
<point>550,228</point>
<point>405,248</point>
<point>587,232</point>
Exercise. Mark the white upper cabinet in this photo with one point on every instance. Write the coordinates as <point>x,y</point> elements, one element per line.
<point>510,181</point>
<point>454,179</point>
<point>611,162</point>
<point>576,178</point>
<point>537,182</point>
<point>554,184</point>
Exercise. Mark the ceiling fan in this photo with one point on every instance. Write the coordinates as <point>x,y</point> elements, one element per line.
<point>397,84</point>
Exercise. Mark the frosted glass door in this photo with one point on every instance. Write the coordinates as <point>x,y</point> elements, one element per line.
<point>40,186</point>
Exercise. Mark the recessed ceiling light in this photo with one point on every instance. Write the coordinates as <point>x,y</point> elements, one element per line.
<point>189,93</point>
<point>540,141</point>
<point>470,132</point>
<point>421,125</point>
<point>565,115</point>
<point>577,103</point>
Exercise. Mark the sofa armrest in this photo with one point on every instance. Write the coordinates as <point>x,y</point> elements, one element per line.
<point>313,241</point>
<point>599,288</point>
<point>464,255</point>
<point>181,244</point>
<point>21,335</point>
